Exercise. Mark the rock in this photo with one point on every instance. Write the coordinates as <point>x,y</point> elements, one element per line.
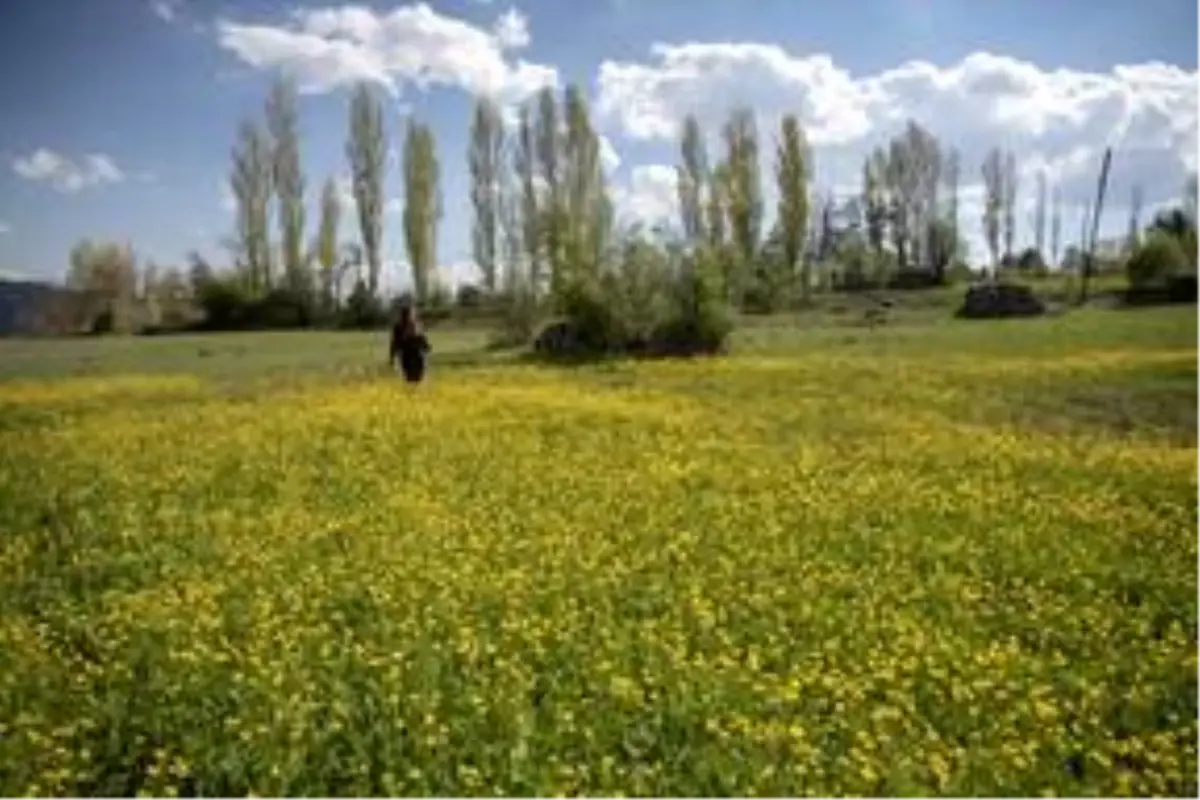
<point>1000,300</point>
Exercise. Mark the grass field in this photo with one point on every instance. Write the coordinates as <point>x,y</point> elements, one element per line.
<point>951,559</point>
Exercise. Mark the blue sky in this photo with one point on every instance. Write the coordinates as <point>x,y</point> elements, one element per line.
<point>119,115</point>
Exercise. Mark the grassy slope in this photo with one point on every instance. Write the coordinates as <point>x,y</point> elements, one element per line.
<point>955,558</point>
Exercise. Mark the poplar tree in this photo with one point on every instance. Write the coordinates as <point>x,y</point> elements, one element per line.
<point>366,151</point>
<point>422,206</point>
<point>288,178</point>
<point>485,159</point>
<point>792,172</point>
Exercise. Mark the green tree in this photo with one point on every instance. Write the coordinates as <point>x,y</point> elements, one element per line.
<point>422,206</point>
<point>528,209</point>
<point>251,184</point>
<point>792,171</point>
<point>952,172</point>
<point>485,159</point>
<point>1010,203</point>
<point>1055,226</point>
<point>587,211</point>
<point>744,187</point>
<point>366,151</point>
<point>327,241</point>
<point>106,274</point>
<point>547,137</point>
<point>288,180</point>
<point>692,177</point>
<point>874,200</point>
<point>993,202</point>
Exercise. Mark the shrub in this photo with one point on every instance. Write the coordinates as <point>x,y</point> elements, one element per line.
<point>660,302</point>
<point>1158,258</point>
<point>1000,300</point>
<point>363,310</point>
<point>912,278</point>
<point>1031,262</point>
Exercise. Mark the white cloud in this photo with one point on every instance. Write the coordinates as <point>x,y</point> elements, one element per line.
<point>66,175</point>
<point>1057,119</point>
<point>511,30</point>
<point>331,48</point>
<point>650,196</point>
<point>5,227</point>
<point>609,158</point>
<point>165,9</point>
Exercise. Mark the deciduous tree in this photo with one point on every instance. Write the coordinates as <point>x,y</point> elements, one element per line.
<point>422,206</point>
<point>792,171</point>
<point>485,160</point>
<point>366,151</point>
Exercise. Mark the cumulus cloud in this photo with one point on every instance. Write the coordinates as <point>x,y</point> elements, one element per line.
<point>165,9</point>
<point>331,48</point>
<point>609,158</point>
<point>512,30</point>
<point>1059,120</point>
<point>649,197</point>
<point>65,174</point>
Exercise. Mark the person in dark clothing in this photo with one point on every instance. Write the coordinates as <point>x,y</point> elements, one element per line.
<point>409,344</point>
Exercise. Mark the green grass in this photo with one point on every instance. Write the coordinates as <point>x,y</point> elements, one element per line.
<point>954,558</point>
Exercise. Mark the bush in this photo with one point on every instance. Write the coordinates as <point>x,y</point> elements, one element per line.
<point>665,305</point>
<point>222,301</point>
<point>363,310</point>
<point>1178,289</point>
<point>705,334</point>
<point>439,305</point>
<point>1000,300</point>
<point>1031,262</point>
<point>470,296</point>
<point>912,278</point>
<point>1158,258</point>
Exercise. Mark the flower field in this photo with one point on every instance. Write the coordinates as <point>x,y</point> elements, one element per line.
<point>823,570</point>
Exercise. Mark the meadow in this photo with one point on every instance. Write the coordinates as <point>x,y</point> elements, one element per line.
<point>953,559</point>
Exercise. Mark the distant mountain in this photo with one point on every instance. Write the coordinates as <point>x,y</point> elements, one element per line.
<point>31,307</point>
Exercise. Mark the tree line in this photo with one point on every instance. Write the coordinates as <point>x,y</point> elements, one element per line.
<point>546,239</point>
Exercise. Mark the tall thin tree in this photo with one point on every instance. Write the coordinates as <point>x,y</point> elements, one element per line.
<point>486,160</point>
<point>1135,217</point>
<point>1055,226</point>
<point>1010,203</point>
<point>251,184</point>
<point>327,242</point>
<point>288,176</point>
<point>993,202</point>
<point>422,206</point>
<point>745,204</point>
<point>587,213</point>
<point>525,167</point>
<point>366,150</point>
<point>691,178</point>
<point>1039,215</point>
<point>792,172</point>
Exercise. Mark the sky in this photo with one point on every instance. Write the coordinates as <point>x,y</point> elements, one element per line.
<point>119,115</point>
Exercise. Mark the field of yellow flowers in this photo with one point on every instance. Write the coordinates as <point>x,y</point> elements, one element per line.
<point>822,570</point>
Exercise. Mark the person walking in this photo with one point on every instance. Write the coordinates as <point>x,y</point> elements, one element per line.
<point>409,345</point>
